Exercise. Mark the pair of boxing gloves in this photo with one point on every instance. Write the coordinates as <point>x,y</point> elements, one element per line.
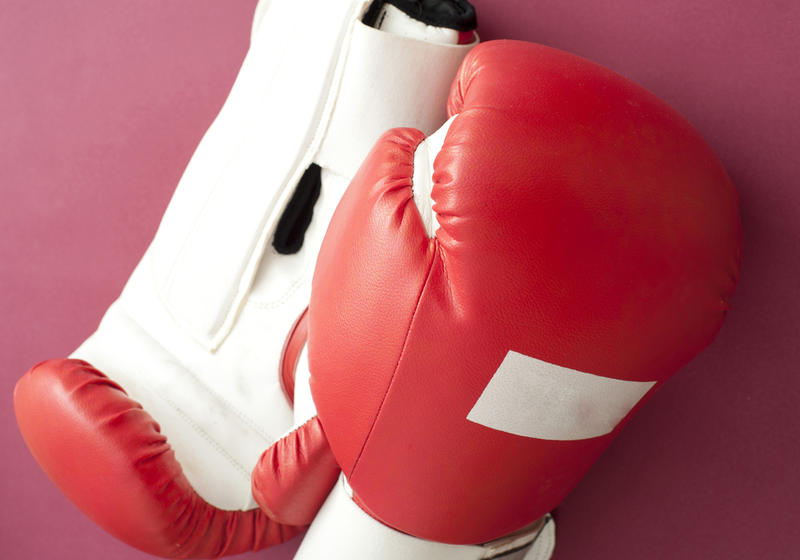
<point>487,303</point>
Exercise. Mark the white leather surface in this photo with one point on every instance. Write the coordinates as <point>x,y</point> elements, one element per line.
<point>545,542</point>
<point>304,407</point>
<point>334,95</point>
<point>422,179</point>
<point>343,531</point>
<point>275,112</point>
<point>197,334</point>
<point>410,76</point>
<point>392,20</point>
<point>216,442</point>
<point>536,399</point>
<point>258,17</point>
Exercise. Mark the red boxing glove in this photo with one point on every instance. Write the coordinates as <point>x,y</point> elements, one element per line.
<point>468,373</point>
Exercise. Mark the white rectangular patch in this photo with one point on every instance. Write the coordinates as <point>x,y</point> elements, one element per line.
<point>532,398</point>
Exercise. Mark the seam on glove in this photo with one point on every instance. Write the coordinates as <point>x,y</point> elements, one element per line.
<point>399,359</point>
<point>196,427</point>
<point>248,422</point>
<point>286,296</point>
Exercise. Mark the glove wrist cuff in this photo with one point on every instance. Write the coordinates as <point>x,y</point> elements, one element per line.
<point>342,530</point>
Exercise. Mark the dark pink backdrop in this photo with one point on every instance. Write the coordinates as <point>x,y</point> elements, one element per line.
<point>102,103</point>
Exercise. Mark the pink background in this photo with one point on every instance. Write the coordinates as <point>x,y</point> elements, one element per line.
<point>102,103</point>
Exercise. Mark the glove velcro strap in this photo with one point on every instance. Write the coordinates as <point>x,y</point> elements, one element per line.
<point>207,247</point>
<point>320,89</point>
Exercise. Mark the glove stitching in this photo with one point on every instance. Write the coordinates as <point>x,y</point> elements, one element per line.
<point>291,290</point>
<point>203,434</point>
<point>397,364</point>
<point>248,422</point>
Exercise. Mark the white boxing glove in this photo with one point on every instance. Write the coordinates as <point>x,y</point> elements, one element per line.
<point>159,447</point>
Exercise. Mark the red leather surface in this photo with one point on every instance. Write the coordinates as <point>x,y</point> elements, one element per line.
<point>107,455</point>
<point>295,475</point>
<point>583,222</point>
<point>364,291</point>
